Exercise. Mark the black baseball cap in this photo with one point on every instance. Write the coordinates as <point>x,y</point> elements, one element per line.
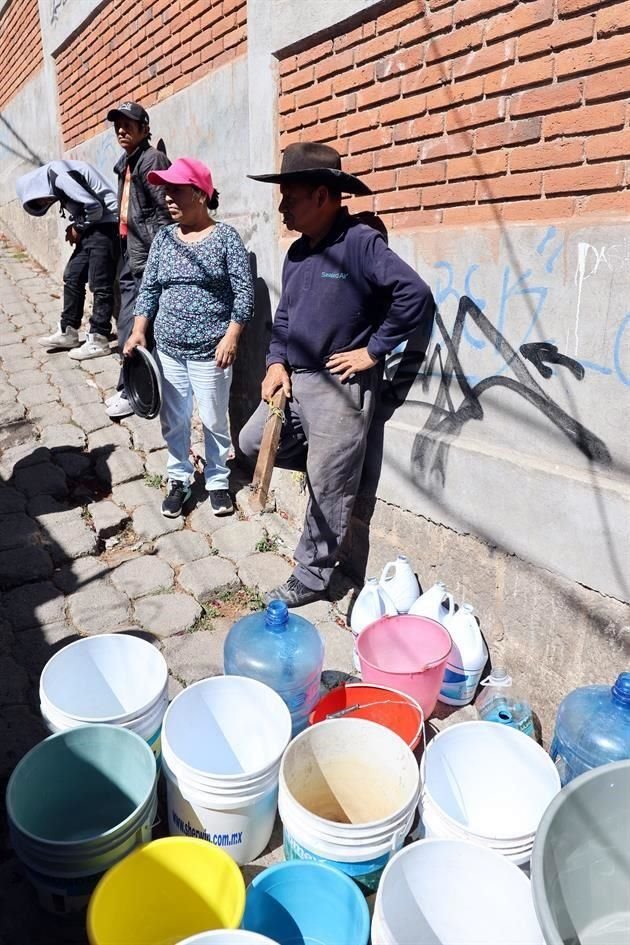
<point>129,110</point>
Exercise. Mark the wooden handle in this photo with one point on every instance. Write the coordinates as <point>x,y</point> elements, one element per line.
<point>268,449</point>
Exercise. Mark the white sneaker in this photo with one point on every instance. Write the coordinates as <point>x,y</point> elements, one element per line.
<point>94,346</point>
<point>119,407</point>
<point>61,339</point>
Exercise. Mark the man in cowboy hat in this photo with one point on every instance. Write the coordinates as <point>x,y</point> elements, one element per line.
<point>347,300</point>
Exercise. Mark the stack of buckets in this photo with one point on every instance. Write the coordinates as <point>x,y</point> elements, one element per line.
<point>78,803</point>
<point>113,679</point>
<point>488,784</point>
<point>223,739</point>
<point>348,794</point>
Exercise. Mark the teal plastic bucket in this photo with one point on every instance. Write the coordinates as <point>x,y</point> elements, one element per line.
<point>581,861</point>
<point>77,803</point>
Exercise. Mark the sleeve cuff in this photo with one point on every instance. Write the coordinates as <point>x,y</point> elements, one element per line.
<point>376,349</point>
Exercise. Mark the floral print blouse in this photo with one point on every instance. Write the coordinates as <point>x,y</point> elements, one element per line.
<point>193,290</point>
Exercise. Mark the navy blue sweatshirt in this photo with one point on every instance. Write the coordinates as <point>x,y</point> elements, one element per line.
<point>350,291</point>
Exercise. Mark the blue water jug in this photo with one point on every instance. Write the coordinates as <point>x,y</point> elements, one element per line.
<point>283,651</point>
<point>592,728</point>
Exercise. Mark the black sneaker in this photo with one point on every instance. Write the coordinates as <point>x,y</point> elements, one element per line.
<point>176,499</point>
<point>294,593</point>
<point>221,502</point>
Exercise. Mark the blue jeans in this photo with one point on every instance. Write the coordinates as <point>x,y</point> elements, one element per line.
<point>211,387</point>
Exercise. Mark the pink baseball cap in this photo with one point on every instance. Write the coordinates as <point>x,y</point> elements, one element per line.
<point>185,171</point>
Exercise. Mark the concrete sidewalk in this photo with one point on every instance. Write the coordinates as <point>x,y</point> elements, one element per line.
<point>84,548</point>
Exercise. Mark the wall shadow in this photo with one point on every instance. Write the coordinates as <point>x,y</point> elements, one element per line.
<point>249,368</point>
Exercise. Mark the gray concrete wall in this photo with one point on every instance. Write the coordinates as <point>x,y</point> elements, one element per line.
<point>484,443</point>
<point>29,136</point>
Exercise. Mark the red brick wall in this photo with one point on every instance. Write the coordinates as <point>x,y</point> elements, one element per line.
<point>21,52</point>
<point>464,111</point>
<point>144,50</point>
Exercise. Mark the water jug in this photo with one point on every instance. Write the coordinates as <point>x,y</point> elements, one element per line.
<point>400,583</point>
<point>467,659</point>
<point>500,702</point>
<point>371,604</point>
<point>282,650</point>
<point>435,603</point>
<point>592,728</point>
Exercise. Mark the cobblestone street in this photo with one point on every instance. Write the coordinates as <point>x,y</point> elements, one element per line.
<point>84,548</point>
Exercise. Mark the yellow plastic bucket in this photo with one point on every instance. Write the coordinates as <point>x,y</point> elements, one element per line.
<point>164,892</point>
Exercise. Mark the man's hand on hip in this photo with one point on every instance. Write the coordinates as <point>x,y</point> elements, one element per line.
<point>276,377</point>
<point>347,363</point>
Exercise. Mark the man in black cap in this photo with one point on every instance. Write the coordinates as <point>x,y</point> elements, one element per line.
<point>347,300</point>
<point>142,211</point>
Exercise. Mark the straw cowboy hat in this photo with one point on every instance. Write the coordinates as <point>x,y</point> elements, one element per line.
<point>307,161</point>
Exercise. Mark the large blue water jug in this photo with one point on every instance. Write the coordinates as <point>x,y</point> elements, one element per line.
<point>282,650</point>
<point>592,728</point>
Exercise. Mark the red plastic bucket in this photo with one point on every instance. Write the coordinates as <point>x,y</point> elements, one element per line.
<point>395,710</point>
<point>406,653</point>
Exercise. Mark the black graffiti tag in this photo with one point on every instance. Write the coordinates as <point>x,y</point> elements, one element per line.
<point>431,445</point>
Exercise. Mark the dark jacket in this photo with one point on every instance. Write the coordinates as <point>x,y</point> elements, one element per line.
<point>147,207</point>
<point>350,291</point>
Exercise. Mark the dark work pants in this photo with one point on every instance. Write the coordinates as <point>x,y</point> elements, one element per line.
<point>129,285</point>
<point>325,434</point>
<point>93,262</point>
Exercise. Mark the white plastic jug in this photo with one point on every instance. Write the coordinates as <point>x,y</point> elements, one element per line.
<point>435,603</point>
<point>400,583</point>
<point>371,604</point>
<point>467,658</point>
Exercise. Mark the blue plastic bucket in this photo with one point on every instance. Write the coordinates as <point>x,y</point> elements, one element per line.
<point>77,803</point>
<point>306,904</point>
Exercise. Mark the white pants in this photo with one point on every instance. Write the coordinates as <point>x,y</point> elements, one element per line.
<point>211,387</point>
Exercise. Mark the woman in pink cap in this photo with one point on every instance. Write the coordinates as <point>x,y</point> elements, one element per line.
<point>197,289</point>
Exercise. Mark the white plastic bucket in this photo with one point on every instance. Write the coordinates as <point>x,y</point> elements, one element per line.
<point>147,726</point>
<point>111,678</point>
<point>77,803</point>
<point>436,829</point>
<point>228,937</point>
<point>446,892</point>
<point>222,740</point>
<point>488,781</point>
<point>348,791</point>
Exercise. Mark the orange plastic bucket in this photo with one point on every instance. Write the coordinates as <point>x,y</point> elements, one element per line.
<point>395,710</point>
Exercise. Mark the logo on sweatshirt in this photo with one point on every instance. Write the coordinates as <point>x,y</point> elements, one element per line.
<point>334,275</point>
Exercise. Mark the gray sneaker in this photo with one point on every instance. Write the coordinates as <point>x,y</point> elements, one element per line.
<point>294,593</point>
<point>94,346</point>
<point>61,338</point>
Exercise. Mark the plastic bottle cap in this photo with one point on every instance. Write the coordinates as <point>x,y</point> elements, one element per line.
<point>621,689</point>
<point>498,677</point>
<point>468,608</point>
<point>277,614</point>
<point>372,581</point>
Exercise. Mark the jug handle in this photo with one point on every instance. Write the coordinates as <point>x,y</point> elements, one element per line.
<point>390,566</point>
<point>451,604</point>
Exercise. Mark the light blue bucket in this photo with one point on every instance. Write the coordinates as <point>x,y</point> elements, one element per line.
<point>306,904</point>
<point>77,803</point>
